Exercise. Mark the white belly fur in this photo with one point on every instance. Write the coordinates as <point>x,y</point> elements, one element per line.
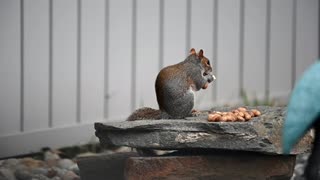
<point>193,93</point>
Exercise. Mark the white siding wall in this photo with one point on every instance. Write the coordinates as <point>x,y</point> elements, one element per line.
<point>67,64</point>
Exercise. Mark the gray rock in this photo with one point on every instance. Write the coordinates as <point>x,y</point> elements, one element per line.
<point>22,174</point>
<point>42,171</point>
<point>261,134</point>
<point>70,175</point>
<point>299,169</point>
<point>20,167</point>
<point>49,155</point>
<point>6,174</point>
<point>10,163</point>
<point>103,166</point>
<point>65,163</point>
<point>75,169</point>
<point>56,178</point>
<point>60,172</point>
<point>39,177</point>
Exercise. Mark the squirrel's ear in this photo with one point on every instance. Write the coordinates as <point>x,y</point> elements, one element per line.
<point>192,51</point>
<point>200,54</point>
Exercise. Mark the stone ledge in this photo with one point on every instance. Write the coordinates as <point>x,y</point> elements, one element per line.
<point>237,166</point>
<point>104,166</point>
<point>261,134</point>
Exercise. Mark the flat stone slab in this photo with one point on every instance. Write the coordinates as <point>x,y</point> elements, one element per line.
<point>261,134</point>
<point>104,166</point>
<point>231,166</point>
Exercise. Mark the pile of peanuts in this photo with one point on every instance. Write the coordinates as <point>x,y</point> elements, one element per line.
<point>240,115</point>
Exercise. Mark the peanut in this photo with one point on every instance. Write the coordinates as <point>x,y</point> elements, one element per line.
<point>230,113</point>
<point>236,111</point>
<point>228,118</point>
<point>239,118</point>
<point>247,116</point>
<point>242,109</point>
<point>213,117</point>
<point>233,117</point>
<point>251,113</point>
<point>241,114</point>
<point>224,119</point>
<point>217,112</point>
<point>256,112</point>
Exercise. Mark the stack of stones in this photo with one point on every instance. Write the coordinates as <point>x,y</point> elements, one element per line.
<point>52,167</point>
<point>258,138</point>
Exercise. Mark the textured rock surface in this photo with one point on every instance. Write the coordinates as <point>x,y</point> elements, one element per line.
<point>231,166</point>
<point>261,134</point>
<point>104,166</point>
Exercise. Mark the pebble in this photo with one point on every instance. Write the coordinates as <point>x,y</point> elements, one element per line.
<point>23,174</point>
<point>56,178</point>
<point>6,174</point>
<point>65,163</point>
<point>60,172</point>
<point>70,175</point>
<point>10,163</point>
<point>301,163</point>
<point>75,169</point>
<point>39,177</point>
<point>40,170</point>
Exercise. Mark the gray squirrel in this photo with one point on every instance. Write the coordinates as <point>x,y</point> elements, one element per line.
<point>175,86</point>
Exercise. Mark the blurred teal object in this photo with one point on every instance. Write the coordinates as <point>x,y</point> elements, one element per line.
<point>303,108</point>
<point>304,113</point>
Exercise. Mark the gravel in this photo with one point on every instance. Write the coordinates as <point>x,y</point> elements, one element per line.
<point>52,168</point>
<point>301,163</point>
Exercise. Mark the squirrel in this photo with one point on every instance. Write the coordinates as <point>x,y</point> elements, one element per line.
<point>175,86</point>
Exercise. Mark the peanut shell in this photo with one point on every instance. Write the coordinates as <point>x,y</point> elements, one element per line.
<point>247,116</point>
<point>242,109</point>
<point>213,117</point>
<point>256,112</point>
<point>239,118</point>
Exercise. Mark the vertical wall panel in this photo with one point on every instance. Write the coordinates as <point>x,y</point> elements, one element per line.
<point>254,48</point>
<point>9,66</point>
<point>64,62</point>
<point>307,34</point>
<point>119,72</point>
<point>174,32</point>
<point>36,57</point>
<point>92,60</point>
<point>280,47</point>
<point>228,50</point>
<point>147,52</point>
<point>201,38</point>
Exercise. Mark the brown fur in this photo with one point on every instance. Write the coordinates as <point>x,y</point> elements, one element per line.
<point>173,85</point>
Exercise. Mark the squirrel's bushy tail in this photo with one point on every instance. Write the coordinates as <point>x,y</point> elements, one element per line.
<point>145,113</point>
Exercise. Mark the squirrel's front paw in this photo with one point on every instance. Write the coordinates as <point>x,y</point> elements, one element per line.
<point>195,113</point>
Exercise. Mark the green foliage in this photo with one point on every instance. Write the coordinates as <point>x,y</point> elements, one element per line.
<point>255,101</point>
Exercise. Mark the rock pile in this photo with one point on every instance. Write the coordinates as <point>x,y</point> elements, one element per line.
<point>52,167</point>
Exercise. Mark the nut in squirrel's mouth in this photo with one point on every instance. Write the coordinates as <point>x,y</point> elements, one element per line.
<point>213,77</point>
